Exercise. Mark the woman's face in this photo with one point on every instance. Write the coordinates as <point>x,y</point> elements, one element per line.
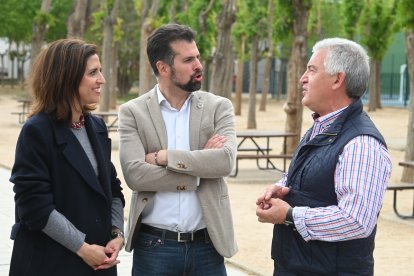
<point>90,85</point>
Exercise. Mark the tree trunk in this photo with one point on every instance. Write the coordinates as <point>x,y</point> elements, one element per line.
<point>281,77</point>
<point>107,44</point>
<point>297,66</point>
<point>39,31</point>
<point>269,58</point>
<point>378,85</point>
<point>239,77</point>
<point>408,173</point>
<point>77,20</point>
<point>113,90</point>
<point>266,83</point>
<point>373,85</point>
<point>146,78</point>
<point>251,116</point>
<point>239,87</point>
<point>222,60</point>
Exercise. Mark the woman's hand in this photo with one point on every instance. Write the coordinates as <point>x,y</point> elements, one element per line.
<point>94,255</point>
<point>112,250</point>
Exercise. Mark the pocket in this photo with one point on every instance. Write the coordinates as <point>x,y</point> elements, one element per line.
<point>148,242</point>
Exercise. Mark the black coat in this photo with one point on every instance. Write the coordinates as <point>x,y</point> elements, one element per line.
<point>52,171</point>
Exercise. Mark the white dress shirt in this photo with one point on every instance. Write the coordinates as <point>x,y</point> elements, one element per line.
<point>177,211</point>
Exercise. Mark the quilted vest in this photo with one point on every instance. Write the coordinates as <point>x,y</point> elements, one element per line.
<point>311,183</point>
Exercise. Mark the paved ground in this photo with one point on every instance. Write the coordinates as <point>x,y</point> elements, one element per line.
<point>7,220</point>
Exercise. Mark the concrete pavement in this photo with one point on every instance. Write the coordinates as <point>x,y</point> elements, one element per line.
<point>7,220</point>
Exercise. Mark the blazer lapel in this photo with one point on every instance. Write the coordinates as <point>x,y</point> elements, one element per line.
<point>76,156</point>
<point>156,117</point>
<point>101,145</point>
<point>196,112</point>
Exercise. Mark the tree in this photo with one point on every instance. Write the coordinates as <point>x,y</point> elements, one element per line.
<point>406,21</point>
<point>268,57</point>
<point>251,116</point>
<point>127,50</point>
<point>149,10</point>
<point>299,11</point>
<point>377,26</point>
<point>40,26</point>
<point>78,20</point>
<point>110,8</point>
<point>239,75</point>
<point>202,16</point>
<point>254,24</point>
<point>223,57</point>
<point>351,12</point>
<point>240,37</point>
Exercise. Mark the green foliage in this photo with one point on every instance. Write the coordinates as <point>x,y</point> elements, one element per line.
<point>350,13</point>
<point>206,35</point>
<point>59,14</point>
<point>323,20</point>
<point>251,20</point>
<point>128,29</point>
<point>16,19</point>
<point>95,31</point>
<point>282,29</point>
<point>377,26</point>
<point>45,18</point>
<point>406,14</point>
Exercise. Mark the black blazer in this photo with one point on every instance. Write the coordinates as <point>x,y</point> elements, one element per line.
<point>52,171</point>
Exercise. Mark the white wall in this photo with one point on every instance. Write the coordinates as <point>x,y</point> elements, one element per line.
<point>7,64</point>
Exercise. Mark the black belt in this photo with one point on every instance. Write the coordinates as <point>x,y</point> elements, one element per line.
<point>199,235</point>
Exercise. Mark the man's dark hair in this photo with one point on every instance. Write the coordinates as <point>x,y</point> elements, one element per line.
<point>159,43</point>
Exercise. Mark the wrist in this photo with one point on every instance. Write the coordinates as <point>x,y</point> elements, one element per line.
<point>156,158</point>
<point>117,233</point>
<point>289,218</point>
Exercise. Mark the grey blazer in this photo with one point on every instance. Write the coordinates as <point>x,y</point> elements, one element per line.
<point>142,130</point>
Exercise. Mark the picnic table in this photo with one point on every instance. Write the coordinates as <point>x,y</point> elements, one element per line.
<point>401,187</point>
<point>110,118</point>
<point>259,148</point>
<point>24,110</point>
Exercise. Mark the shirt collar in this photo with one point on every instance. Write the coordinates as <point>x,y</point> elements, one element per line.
<point>326,120</point>
<point>163,101</point>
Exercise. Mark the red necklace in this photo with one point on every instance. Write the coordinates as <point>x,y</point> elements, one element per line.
<point>79,124</point>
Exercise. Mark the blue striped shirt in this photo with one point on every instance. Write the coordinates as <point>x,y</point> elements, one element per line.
<point>361,177</point>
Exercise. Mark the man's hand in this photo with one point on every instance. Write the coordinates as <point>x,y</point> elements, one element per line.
<point>215,142</point>
<point>274,191</point>
<point>275,213</point>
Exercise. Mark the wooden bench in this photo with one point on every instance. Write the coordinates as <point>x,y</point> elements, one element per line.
<point>400,187</point>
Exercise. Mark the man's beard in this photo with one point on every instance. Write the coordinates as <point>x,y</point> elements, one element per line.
<point>191,86</point>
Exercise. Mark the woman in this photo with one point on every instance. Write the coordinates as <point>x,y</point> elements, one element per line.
<point>69,204</point>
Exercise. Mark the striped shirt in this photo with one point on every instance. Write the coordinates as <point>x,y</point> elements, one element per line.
<point>361,178</point>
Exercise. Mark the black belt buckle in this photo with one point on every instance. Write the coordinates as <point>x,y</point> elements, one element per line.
<point>184,240</point>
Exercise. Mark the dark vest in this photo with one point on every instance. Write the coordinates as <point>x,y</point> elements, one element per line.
<point>311,183</point>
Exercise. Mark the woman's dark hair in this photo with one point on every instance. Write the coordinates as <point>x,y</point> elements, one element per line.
<point>159,43</point>
<point>56,75</point>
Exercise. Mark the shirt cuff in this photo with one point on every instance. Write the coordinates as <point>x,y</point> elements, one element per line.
<point>299,219</point>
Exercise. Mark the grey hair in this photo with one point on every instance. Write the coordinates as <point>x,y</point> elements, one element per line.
<point>350,58</point>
